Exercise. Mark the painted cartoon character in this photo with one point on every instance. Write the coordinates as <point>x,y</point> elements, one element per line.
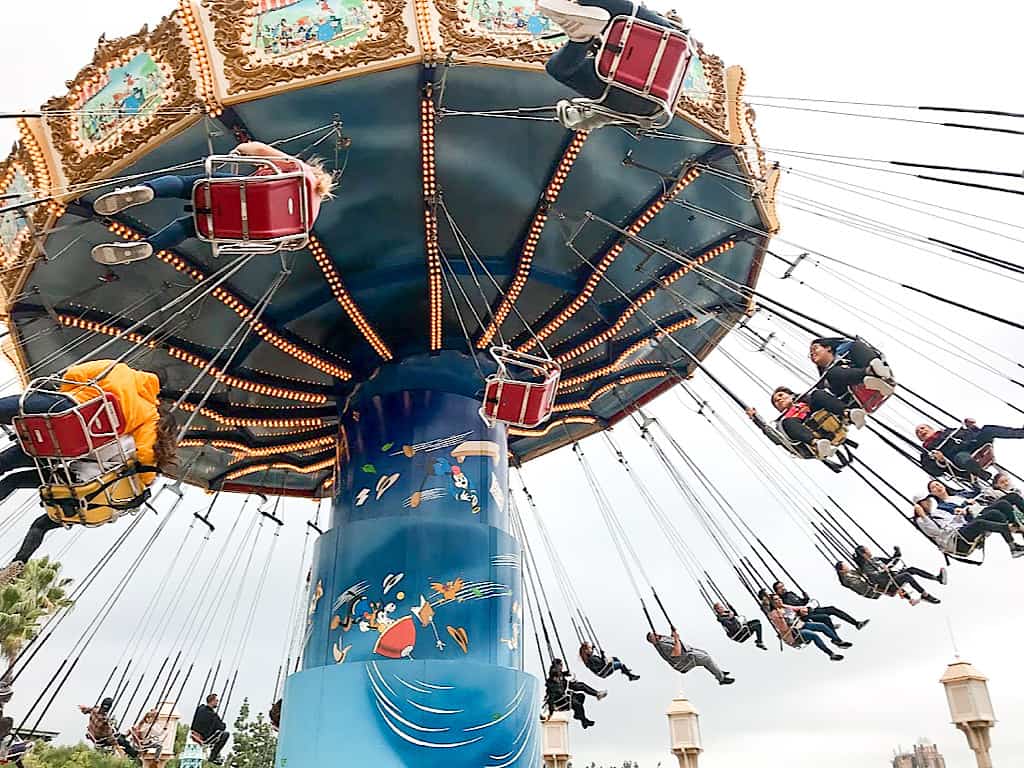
<point>458,484</point>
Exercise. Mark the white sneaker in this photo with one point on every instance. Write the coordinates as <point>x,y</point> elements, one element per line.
<point>858,416</point>
<point>581,23</point>
<point>880,368</point>
<point>119,199</point>
<point>823,448</point>
<point>580,118</point>
<point>112,254</point>
<point>879,385</point>
<point>601,695</point>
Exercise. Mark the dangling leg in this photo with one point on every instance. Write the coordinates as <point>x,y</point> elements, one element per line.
<point>754,626</point>
<point>822,400</point>
<point>41,526</point>
<point>965,461</point>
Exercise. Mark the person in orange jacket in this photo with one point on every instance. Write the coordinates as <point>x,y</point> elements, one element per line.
<point>137,393</point>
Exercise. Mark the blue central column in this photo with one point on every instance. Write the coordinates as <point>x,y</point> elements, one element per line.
<point>415,626</point>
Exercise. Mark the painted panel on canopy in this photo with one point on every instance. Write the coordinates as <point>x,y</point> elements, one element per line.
<point>122,94</point>
<point>282,28</point>
<point>14,227</point>
<point>397,714</point>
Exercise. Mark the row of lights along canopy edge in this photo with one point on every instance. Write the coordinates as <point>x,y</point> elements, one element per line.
<point>360,297</point>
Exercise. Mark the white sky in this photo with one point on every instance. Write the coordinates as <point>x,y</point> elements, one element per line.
<point>793,709</point>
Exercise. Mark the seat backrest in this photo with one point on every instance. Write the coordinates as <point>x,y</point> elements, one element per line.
<point>73,433</point>
<point>644,58</point>
<point>274,207</point>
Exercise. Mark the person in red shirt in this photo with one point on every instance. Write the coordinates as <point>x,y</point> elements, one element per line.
<point>319,185</point>
<point>796,410</point>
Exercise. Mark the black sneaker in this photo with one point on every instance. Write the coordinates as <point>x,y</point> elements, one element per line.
<point>587,723</point>
<point>726,680</point>
<point>931,599</point>
<point>631,676</point>
<point>862,624</point>
<point>843,644</point>
<point>762,646</point>
<point>836,657</point>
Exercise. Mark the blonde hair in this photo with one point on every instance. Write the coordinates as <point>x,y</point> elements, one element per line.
<point>325,183</point>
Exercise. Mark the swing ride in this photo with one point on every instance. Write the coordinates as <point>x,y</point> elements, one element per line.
<point>486,287</point>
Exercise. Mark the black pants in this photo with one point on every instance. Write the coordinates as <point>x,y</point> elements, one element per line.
<point>576,693</point>
<point>841,377</point>
<point>964,458</point>
<point>982,525</point>
<point>120,740</point>
<point>819,400</point>
<point>34,538</point>
<point>1005,510</point>
<point>13,481</point>
<point>751,629</point>
<point>825,613</point>
<point>216,741</point>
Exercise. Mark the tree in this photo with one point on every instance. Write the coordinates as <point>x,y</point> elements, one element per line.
<point>255,743</point>
<point>77,756</point>
<point>24,602</point>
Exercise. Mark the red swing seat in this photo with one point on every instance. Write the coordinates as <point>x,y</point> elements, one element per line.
<point>646,60</point>
<point>72,434</point>
<point>515,401</point>
<point>868,399</point>
<point>266,212</point>
<point>985,456</point>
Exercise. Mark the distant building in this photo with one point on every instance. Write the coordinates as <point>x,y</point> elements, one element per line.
<point>924,755</point>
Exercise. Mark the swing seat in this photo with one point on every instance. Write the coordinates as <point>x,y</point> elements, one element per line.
<point>985,456</point>
<point>97,501</point>
<point>16,751</point>
<point>868,399</point>
<point>646,60</point>
<point>263,213</point>
<point>74,433</point>
<point>519,402</point>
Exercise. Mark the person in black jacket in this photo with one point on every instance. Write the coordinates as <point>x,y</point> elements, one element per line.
<point>957,445</point>
<point>822,614</point>
<point>737,629</point>
<point>206,724</point>
<point>601,665</point>
<point>844,363</point>
<point>882,573</point>
<point>563,693</point>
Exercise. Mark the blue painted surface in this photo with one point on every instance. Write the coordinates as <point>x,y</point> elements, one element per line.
<point>413,653</point>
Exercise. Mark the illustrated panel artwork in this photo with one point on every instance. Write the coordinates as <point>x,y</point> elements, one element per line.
<point>507,29</point>
<point>703,94</point>
<point>136,89</point>
<point>266,43</point>
<point>14,225</point>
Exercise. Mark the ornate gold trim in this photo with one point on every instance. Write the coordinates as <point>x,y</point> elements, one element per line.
<point>168,49</point>
<point>460,34</point>
<point>231,38</point>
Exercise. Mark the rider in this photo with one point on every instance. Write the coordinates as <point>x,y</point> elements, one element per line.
<point>822,614</point>
<point>739,629</point>
<point>319,184</point>
<point>601,665</point>
<point>102,728</point>
<point>952,532</point>
<point>274,715</point>
<point>1002,511</point>
<point>563,693</point>
<point>855,581</point>
<point>683,658</point>
<point>957,445</point>
<point>137,392</point>
<point>1004,496</point>
<point>573,64</point>
<point>796,410</point>
<point>792,628</point>
<point>881,573</point>
<point>212,731</point>
<point>844,363</point>
<point>12,749</point>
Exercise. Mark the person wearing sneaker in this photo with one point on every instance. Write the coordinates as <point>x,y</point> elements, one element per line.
<point>211,730</point>
<point>796,410</point>
<point>857,582</point>
<point>794,629</point>
<point>153,431</point>
<point>953,533</point>
<point>683,658</point>
<point>822,614</point>
<point>573,64</point>
<point>957,445</point>
<point>1003,496</point>
<point>601,665</point>
<point>319,183</point>
<point>885,576</point>
<point>563,693</point>
<point>844,363</point>
<point>739,629</point>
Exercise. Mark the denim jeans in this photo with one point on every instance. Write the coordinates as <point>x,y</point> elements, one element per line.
<point>812,632</point>
<point>573,66</point>
<point>179,230</point>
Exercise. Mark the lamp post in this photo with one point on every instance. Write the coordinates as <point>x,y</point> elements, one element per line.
<point>970,707</point>
<point>684,731</point>
<point>556,740</point>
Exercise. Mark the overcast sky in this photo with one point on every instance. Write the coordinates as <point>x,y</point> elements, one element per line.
<point>793,709</point>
